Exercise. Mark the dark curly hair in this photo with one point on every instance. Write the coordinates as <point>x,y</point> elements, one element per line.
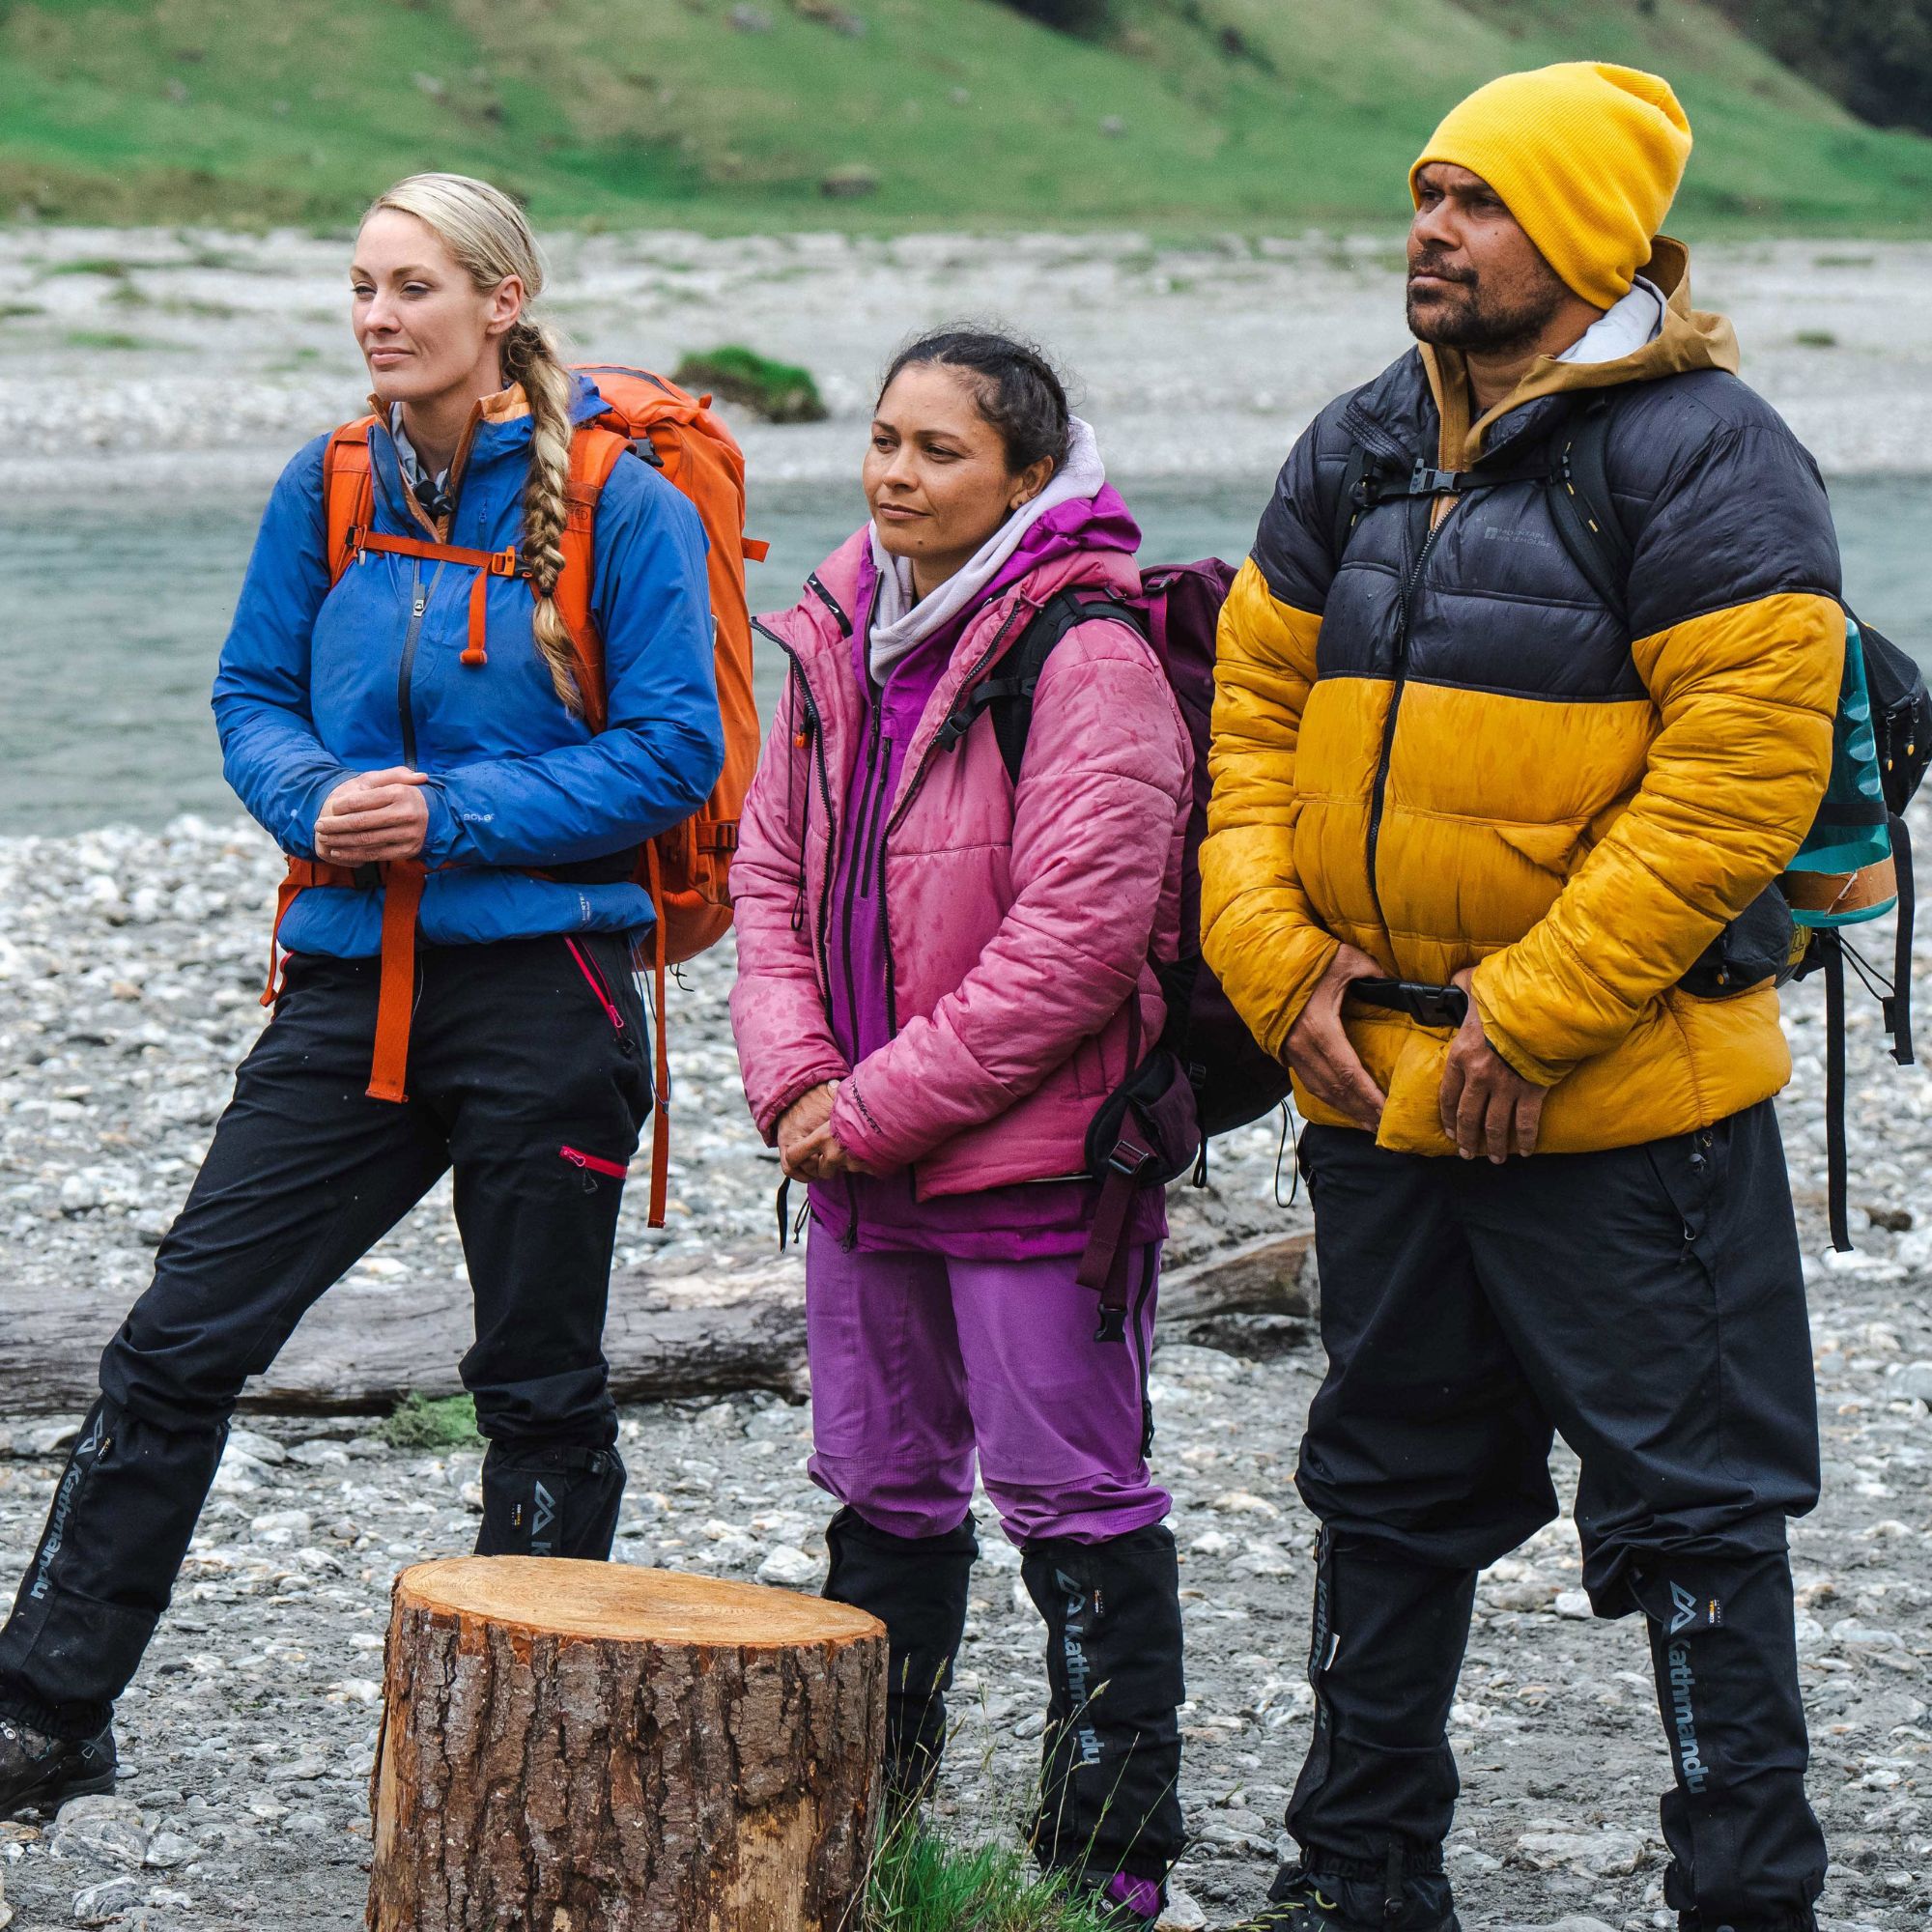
<point>1019,392</point>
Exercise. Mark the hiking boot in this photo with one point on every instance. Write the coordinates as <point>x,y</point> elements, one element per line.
<point>41,1773</point>
<point>1303,1901</point>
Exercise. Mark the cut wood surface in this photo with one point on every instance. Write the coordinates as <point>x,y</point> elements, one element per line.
<point>714,1330</point>
<point>597,1747</point>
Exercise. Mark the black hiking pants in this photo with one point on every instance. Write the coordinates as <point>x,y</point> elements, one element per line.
<point>516,1075</point>
<point>1647,1303</point>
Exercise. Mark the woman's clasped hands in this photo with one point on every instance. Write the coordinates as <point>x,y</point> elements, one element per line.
<point>372,816</point>
<point>808,1148</point>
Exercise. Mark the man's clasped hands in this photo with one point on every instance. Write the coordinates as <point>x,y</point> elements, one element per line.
<point>1486,1107</point>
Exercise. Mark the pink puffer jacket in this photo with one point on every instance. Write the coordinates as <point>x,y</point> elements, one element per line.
<point>1021,921</point>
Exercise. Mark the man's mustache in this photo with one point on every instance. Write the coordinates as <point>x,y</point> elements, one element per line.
<point>1428,265</point>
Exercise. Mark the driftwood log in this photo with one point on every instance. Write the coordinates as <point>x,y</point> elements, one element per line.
<point>370,1340</point>
<point>595,1748</point>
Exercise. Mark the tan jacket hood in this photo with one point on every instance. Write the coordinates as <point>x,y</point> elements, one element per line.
<point>1690,338</point>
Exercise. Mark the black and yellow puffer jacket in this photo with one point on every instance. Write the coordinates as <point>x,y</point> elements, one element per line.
<point>1444,748</point>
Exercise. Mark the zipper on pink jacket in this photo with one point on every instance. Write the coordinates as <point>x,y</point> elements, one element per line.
<point>909,784</point>
<point>595,1163</point>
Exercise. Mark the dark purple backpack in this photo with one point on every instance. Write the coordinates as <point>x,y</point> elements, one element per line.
<point>1206,1074</point>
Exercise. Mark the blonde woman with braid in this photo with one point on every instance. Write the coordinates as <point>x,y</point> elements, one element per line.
<point>397,734</point>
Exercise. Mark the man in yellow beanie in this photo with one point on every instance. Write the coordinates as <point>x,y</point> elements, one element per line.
<point>1525,699</point>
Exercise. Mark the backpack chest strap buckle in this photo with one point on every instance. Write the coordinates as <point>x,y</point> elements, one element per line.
<point>1426,480</point>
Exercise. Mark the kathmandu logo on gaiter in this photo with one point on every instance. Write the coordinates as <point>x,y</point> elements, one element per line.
<point>1696,1772</point>
<point>1686,1609</point>
<point>1079,1674</point>
<point>546,1514</point>
<point>69,1488</point>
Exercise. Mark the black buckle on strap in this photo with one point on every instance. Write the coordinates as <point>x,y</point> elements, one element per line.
<point>1426,480</point>
<point>1426,1004</point>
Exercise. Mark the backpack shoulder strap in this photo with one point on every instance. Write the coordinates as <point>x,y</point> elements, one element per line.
<point>596,451</point>
<point>1007,689</point>
<point>1576,475</point>
<point>1581,502</point>
<point>348,492</point>
<point>1349,502</point>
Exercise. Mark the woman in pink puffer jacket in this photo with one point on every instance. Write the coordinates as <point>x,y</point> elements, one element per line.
<point>942,976</point>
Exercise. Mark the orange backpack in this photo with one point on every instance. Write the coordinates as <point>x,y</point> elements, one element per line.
<point>687,869</point>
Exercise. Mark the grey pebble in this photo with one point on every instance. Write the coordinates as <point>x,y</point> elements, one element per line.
<point>101,1827</point>
<point>97,1904</point>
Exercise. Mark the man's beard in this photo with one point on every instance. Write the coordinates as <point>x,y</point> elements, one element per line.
<point>1470,316</point>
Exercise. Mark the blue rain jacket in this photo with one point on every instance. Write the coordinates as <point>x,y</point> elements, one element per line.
<point>318,683</point>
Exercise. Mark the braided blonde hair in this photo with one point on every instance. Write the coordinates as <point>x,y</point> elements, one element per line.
<point>490,241</point>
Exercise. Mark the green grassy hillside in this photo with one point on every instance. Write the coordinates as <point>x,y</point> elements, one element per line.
<point>1251,114</point>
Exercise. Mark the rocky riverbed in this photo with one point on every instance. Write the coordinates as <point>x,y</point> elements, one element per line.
<point>140,359</point>
<point>128,966</point>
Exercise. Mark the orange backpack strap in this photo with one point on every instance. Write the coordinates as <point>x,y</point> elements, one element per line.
<point>661,1063</point>
<point>396,988</point>
<point>348,492</point>
<point>402,882</point>
<point>595,450</point>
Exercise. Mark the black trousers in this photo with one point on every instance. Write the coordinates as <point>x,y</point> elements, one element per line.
<point>520,1081</point>
<point>1647,1303</point>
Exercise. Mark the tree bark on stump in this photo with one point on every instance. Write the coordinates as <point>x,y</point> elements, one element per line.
<point>596,1747</point>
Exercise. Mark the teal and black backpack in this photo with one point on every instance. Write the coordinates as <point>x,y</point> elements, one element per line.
<point>1855,864</point>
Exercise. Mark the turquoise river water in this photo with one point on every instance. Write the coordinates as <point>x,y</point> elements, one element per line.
<point>116,613</point>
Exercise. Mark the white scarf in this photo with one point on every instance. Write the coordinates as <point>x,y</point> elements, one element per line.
<point>901,618</point>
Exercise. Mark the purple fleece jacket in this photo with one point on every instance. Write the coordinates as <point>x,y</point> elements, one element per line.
<point>879,1212</point>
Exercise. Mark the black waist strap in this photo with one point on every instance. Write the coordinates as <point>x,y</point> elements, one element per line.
<point>1426,1004</point>
<point>615,869</point>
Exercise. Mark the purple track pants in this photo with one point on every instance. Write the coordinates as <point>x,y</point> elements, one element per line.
<point>919,1361</point>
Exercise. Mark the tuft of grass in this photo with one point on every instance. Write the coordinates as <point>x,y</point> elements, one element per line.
<point>430,1422</point>
<point>781,392</point>
<point>93,265</point>
<point>107,338</point>
<point>1815,338</point>
<point>922,1882</point>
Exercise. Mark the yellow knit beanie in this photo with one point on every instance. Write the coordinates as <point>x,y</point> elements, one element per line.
<point>1587,156</point>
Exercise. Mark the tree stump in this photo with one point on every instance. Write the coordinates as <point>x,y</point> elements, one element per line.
<point>596,1747</point>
